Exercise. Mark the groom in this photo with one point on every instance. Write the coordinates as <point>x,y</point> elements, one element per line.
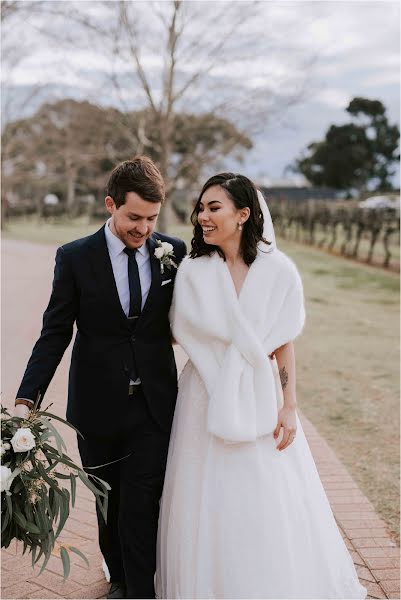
<point>123,380</point>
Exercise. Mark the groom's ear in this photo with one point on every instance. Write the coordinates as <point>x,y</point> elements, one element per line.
<point>110,205</point>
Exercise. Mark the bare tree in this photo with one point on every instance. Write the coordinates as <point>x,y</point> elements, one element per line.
<point>168,58</point>
<point>204,57</point>
<point>224,59</point>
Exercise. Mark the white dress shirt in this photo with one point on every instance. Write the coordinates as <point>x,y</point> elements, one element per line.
<point>119,263</point>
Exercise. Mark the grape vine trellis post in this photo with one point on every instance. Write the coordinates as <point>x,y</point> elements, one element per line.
<point>323,224</point>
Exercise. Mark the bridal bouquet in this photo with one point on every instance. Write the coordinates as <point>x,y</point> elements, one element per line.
<point>35,473</point>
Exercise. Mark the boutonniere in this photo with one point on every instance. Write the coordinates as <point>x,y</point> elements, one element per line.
<point>165,253</point>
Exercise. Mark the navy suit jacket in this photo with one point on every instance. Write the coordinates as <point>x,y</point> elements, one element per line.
<point>85,293</point>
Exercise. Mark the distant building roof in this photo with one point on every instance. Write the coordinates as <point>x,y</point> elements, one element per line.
<point>292,192</point>
<point>273,182</point>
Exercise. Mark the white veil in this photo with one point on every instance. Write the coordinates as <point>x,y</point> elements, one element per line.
<point>268,229</point>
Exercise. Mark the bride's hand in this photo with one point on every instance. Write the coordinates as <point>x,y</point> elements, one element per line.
<point>288,421</point>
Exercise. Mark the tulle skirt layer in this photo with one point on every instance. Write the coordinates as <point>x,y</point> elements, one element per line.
<point>245,520</point>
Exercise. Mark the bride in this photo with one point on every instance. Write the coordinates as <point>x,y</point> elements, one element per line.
<point>243,512</point>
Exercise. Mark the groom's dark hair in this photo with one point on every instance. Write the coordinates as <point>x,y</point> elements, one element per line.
<point>139,175</point>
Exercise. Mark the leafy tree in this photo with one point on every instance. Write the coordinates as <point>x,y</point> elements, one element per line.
<point>382,136</point>
<point>55,146</point>
<point>69,147</point>
<point>356,155</point>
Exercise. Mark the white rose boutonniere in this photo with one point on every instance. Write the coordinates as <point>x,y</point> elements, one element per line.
<point>23,440</point>
<point>165,253</point>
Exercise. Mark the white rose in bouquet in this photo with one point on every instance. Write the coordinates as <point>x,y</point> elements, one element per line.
<point>7,477</point>
<point>23,485</point>
<point>23,440</point>
<point>3,448</point>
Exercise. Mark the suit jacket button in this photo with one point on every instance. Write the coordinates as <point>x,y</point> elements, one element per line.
<point>133,338</point>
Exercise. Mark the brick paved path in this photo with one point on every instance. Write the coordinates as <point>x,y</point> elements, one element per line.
<point>27,275</point>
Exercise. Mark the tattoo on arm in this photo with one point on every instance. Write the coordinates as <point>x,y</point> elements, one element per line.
<point>283,377</point>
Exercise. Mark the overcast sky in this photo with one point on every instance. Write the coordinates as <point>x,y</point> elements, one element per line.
<point>355,48</point>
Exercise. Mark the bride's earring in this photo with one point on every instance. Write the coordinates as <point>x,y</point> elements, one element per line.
<point>240,226</point>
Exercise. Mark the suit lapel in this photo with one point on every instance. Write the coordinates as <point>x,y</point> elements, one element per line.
<point>101,265</point>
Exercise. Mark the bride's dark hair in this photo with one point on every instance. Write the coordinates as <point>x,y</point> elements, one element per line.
<point>243,194</point>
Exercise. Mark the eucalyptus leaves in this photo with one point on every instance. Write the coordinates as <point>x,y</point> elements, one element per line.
<point>35,471</point>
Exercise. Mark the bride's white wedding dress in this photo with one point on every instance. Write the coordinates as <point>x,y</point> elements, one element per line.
<point>238,518</point>
<point>245,520</point>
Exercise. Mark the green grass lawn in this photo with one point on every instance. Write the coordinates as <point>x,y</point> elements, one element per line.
<point>347,357</point>
<point>58,231</point>
<point>63,230</point>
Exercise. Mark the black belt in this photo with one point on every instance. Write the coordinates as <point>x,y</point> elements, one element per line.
<point>133,389</point>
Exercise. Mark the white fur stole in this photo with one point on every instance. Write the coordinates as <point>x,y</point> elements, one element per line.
<point>228,339</point>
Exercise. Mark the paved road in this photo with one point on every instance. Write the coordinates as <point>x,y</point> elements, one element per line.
<point>26,277</point>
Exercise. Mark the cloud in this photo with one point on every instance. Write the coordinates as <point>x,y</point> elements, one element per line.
<point>355,45</point>
<point>379,79</point>
<point>333,98</point>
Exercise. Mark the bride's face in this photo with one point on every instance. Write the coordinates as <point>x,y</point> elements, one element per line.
<point>219,218</point>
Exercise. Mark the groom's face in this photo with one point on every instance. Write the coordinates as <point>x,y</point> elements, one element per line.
<point>134,221</point>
